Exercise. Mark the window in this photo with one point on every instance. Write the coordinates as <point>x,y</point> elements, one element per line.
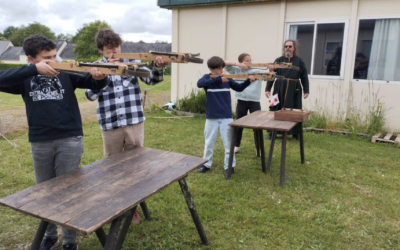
<point>378,50</point>
<point>320,46</point>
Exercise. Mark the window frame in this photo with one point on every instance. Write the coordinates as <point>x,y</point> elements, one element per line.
<point>359,18</point>
<point>346,21</point>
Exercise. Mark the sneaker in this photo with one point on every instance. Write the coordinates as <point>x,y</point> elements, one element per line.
<point>136,218</point>
<point>70,247</point>
<point>49,244</point>
<point>203,169</point>
<point>236,150</point>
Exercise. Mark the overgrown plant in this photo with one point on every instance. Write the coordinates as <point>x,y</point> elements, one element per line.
<point>195,102</point>
<point>364,113</point>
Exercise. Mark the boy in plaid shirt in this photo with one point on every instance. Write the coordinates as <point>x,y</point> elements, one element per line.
<point>119,109</point>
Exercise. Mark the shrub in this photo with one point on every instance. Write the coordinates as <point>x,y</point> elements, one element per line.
<point>195,102</point>
<point>7,66</point>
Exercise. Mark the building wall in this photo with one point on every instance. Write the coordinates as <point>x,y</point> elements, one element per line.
<point>260,28</point>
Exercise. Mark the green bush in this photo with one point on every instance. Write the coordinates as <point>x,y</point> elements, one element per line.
<point>7,66</point>
<point>195,102</point>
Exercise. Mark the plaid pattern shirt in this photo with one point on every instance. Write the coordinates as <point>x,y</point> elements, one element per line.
<point>120,103</point>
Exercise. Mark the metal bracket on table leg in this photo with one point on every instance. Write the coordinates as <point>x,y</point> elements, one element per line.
<point>39,235</point>
<point>192,209</point>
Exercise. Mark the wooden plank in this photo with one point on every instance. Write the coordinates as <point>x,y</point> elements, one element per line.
<point>90,220</point>
<point>375,137</point>
<point>397,140</point>
<point>150,57</point>
<point>30,194</point>
<point>387,138</point>
<point>253,120</point>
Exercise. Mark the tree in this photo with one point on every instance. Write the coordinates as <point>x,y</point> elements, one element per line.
<point>85,45</point>
<point>18,36</point>
<point>162,42</point>
<point>141,41</point>
<point>7,32</point>
<point>67,37</point>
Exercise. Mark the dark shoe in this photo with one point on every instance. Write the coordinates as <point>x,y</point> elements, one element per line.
<point>269,137</point>
<point>295,137</point>
<point>203,169</point>
<point>49,244</point>
<point>70,247</point>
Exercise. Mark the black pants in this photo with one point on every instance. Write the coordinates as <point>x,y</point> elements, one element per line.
<point>241,110</point>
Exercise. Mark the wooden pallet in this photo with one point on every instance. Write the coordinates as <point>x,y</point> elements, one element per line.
<point>389,138</point>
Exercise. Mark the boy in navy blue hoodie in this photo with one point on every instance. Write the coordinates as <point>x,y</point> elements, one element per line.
<point>218,109</point>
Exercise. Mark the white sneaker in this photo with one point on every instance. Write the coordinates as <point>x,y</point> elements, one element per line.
<point>236,150</point>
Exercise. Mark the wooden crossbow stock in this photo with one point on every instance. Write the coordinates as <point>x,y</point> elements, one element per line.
<point>115,68</point>
<point>173,57</point>
<point>281,65</point>
<point>259,76</point>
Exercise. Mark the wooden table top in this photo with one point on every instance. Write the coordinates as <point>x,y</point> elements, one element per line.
<point>262,120</point>
<point>86,198</point>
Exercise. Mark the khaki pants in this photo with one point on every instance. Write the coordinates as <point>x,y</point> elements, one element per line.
<point>120,139</point>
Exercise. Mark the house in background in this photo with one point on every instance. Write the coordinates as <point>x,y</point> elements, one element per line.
<point>351,47</point>
<point>4,46</point>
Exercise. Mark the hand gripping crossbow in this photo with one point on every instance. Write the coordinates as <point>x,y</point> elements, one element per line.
<point>268,76</point>
<point>173,57</point>
<point>115,68</point>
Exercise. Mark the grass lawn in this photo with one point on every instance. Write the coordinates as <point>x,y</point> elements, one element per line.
<point>345,196</point>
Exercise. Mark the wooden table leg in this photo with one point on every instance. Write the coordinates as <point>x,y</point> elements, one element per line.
<point>192,209</point>
<point>125,227</point>
<point>257,141</point>
<point>271,150</point>
<point>231,152</point>
<point>145,210</point>
<point>301,138</point>
<point>283,158</point>
<point>102,236</point>
<point>261,146</point>
<point>39,235</point>
<point>112,234</point>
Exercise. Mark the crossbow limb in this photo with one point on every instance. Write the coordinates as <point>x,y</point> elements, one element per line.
<point>116,68</point>
<point>259,76</point>
<point>173,57</point>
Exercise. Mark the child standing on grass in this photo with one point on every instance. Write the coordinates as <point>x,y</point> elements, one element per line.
<point>218,110</point>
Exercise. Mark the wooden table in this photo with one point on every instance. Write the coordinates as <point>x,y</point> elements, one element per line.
<point>105,191</point>
<point>264,120</point>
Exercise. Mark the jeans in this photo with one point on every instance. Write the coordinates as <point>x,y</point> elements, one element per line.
<point>211,134</point>
<point>54,158</point>
<point>242,108</point>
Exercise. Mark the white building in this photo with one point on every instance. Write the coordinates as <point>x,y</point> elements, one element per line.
<point>367,32</point>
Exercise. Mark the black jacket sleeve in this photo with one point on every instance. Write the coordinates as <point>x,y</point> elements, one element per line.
<point>11,81</point>
<point>88,82</point>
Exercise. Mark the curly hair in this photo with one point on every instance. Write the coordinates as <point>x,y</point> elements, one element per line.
<point>35,44</point>
<point>107,37</point>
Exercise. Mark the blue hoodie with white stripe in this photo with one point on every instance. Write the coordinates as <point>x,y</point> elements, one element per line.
<point>218,95</point>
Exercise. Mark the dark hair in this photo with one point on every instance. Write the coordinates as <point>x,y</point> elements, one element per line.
<point>215,62</point>
<point>295,46</point>
<point>35,44</point>
<point>242,56</point>
<point>107,37</point>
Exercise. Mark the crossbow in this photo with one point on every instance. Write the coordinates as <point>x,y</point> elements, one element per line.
<point>279,65</point>
<point>115,68</point>
<point>173,57</point>
<point>259,76</point>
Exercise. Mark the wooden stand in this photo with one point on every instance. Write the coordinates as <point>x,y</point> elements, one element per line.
<point>293,115</point>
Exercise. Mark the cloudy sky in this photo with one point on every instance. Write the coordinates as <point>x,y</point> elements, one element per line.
<point>134,19</point>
